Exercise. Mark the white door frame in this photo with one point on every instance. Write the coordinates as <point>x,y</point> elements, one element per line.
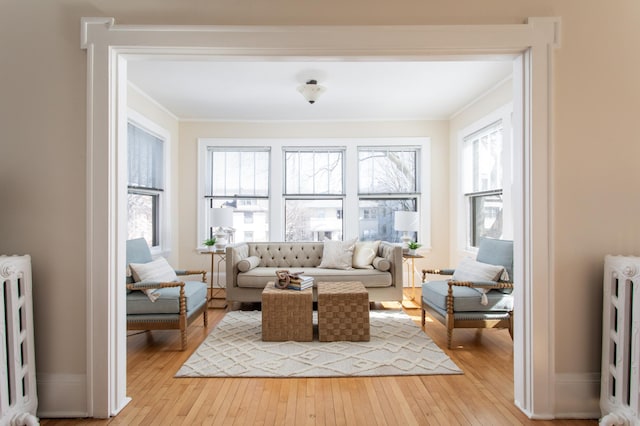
<point>108,47</point>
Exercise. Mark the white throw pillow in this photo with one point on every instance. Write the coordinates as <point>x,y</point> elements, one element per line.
<point>472,270</point>
<point>337,254</point>
<point>157,270</point>
<point>364,253</point>
<point>248,263</point>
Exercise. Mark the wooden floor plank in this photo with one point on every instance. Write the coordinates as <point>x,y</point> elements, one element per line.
<point>483,395</point>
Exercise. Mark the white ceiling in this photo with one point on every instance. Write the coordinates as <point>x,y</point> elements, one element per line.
<point>259,90</point>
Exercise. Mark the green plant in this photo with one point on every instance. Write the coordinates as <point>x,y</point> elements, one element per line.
<point>209,242</point>
<point>413,245</point>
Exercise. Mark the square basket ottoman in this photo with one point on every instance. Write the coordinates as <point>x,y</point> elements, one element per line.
<point>287,314</point>
<point>343,312</point>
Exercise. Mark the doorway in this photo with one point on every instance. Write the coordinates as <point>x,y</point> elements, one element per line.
<point>108,48</point>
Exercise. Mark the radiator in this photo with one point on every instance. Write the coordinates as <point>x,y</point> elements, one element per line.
<point>18,400</point>
<point>620,378</point>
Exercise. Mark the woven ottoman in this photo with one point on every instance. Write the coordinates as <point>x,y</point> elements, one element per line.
<point>343,312</point>
<point>287,314</point>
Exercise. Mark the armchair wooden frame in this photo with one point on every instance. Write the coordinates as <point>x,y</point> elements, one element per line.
<point>172,322</point>
<point>450,321</point>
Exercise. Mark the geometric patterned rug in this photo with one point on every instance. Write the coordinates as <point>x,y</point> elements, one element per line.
<point>397,347</point>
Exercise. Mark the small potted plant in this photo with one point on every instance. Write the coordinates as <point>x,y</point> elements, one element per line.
<point>210,243</point>
<point>413,246</point>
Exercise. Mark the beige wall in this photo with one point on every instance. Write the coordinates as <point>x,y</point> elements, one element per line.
<point>593,170</point>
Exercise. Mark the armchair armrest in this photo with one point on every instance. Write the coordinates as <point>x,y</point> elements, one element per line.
<point>437,272</point>
<point>181,272</point>
<point>488,285</point>
<point>152,285</point>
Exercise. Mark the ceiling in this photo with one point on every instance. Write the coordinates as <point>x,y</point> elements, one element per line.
<point>355,90</point>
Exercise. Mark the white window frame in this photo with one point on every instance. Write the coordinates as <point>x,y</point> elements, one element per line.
<point>350,177</point>
<point>164,197</point>
<point>416,194</point>
<point>502,114</point>
<point>312,196</point>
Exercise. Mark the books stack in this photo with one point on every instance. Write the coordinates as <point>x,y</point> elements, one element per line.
<point>301,283</point>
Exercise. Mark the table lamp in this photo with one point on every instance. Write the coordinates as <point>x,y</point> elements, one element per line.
<point>404,221</point>
<point>221,220</point>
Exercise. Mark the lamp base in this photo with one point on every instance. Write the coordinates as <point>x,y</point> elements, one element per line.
<point>405,241</point>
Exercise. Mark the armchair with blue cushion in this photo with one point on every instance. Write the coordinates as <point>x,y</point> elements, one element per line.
<point>479,294</point>
<point>156,299</point>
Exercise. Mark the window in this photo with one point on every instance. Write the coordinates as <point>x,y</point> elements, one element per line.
<point>313,189</point>
<point>387,182</point>
<point>238,178</point>
<point>313,194</point>
<point>482,167</point>
<point>146,183</point>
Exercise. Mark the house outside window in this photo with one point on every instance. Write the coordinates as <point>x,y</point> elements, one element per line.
<point>482,171</point>
<point>238,178</point>
<point>313,193</point>
<point>146,183</point>
<point>388,181</point>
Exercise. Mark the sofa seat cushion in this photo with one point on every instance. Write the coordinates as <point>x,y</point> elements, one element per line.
<point>168,301</point>
<point>258,277</point>
<point>467,299</point>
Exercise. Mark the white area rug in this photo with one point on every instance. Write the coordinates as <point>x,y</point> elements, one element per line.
<point>397,347</point>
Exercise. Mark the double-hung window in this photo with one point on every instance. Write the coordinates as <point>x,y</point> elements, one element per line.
<point>285,189</point>
<point>388,181</point>
<point>238,178</point>
<point>482,171</point>
<point>146,184</point>
<point>313,193</point>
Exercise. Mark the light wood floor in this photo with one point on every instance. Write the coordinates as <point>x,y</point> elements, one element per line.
<point>483,395</point>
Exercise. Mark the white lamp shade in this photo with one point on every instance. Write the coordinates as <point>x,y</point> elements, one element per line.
<point>406,221</point>
<point>222,217</point>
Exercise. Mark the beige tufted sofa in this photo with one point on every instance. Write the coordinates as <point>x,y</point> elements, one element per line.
<point>267,257</point>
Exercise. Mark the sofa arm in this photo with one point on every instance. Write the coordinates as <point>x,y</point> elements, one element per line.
<point>392,253</point>
<point>234,254</point>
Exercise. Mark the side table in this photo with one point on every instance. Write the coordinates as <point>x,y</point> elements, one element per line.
<point>409,260</point>
<point>287,314</point>
<point>343,312</point>
<point>217,296</point>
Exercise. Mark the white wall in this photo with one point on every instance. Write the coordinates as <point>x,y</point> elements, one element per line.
<point>593,168</point>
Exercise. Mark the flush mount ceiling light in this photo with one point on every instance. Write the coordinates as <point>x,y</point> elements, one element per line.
<point>311,90</point>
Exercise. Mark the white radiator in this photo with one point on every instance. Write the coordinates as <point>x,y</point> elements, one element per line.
<point>620,378</point>
<point>18,400</point>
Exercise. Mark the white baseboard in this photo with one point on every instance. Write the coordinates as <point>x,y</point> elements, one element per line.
<point>62,395</point>
<point>577,396</point>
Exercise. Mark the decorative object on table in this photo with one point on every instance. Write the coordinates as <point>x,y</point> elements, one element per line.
<point>210,243</point>
<point>221,221</point>
<point>293,280</point>
<point>397,347</point>
<point>413,246</point>
<point>406,222</point>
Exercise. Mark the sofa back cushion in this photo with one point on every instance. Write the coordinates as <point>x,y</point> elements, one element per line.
<point>287,255</point>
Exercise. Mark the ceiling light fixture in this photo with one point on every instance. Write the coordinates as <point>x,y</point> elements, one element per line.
<point>311,91</point>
